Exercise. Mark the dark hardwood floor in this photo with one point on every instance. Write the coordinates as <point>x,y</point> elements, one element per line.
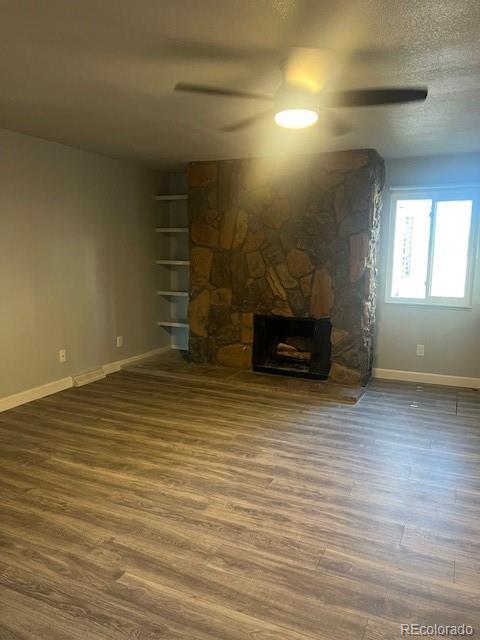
<point>145,507</point>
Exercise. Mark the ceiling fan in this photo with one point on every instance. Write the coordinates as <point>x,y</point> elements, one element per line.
<point>301,96</point>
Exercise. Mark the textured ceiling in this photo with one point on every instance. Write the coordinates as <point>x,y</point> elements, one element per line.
<point>99,74</point>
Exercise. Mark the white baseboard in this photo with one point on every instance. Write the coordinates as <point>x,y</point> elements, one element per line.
<point>9,402</point>
<point>427,378</point>
<point>16,399</point>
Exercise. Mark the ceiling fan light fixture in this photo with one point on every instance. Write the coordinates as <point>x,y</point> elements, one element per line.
<point>295,107</point>
<point>296,118</point>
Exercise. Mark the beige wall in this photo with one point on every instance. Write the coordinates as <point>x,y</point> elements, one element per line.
<point>451,336</point>
<point>76,261</point>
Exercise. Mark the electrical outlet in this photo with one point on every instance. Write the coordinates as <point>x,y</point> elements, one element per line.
<point>62,355</point>
<point>119,341</point>
<point>420,349</point>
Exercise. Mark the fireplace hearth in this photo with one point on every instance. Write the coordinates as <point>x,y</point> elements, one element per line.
<point>292,346</point>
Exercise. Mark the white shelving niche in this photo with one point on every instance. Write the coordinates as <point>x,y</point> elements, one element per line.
<point>173,262</point>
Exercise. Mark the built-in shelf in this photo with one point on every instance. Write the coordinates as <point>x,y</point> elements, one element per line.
<point>173,323</point>
<point>179,294</point>
<point>172,281</point>
<point>172,197</point>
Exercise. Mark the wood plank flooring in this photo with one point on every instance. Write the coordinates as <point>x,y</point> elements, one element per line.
<point>146,507</point>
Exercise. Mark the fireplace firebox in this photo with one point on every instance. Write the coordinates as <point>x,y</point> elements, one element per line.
<point>292,346</point>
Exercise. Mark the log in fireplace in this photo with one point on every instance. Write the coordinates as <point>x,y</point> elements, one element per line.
<point>292,346</point>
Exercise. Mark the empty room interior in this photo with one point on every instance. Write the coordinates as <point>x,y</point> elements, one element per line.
<point>240,319</point>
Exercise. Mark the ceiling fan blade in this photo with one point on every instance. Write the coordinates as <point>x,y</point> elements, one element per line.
<point>246,122</point>
<point>373,97</point>
<point>218,91</point>
<point>335,125</point>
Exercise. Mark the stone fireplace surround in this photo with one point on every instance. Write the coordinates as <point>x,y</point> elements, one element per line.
<point>293,236</point>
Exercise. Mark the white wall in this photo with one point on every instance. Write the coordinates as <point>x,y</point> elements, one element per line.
<point>77,254</point>
<point>451,336</point>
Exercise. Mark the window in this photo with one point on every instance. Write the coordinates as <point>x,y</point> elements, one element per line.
<point>432,247</point>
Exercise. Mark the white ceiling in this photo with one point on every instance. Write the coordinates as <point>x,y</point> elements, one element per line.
<point>99,74</point>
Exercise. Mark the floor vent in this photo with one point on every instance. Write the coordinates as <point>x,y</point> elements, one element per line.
<point>89,376</point>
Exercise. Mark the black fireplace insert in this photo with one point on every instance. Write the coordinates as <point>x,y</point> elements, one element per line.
<point>292,346</point>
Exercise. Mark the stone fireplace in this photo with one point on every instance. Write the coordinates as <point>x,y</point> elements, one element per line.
<point>289,238</point>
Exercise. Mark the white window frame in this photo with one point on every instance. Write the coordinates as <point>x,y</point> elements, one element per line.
<point>435,194</point>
